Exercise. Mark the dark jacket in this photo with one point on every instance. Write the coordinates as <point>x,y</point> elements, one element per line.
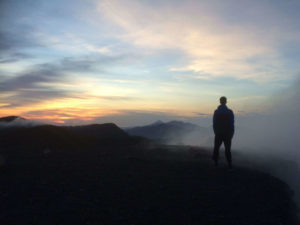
<point>223,120</point>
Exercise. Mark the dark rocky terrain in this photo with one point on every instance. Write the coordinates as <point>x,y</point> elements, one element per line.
<point>124,182</point>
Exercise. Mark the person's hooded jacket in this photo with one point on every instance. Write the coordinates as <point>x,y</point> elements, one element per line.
<point>223,120</point>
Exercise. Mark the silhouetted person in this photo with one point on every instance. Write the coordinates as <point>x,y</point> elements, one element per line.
<point>223,124</point>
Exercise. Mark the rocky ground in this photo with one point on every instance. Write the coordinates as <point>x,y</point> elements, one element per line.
<point>140,185</point>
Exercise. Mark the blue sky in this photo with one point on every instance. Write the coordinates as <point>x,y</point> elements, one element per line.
<point>83,61</point>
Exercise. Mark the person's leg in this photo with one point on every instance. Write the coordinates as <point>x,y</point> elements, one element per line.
<point>227,144</point>
<point>218,142</point>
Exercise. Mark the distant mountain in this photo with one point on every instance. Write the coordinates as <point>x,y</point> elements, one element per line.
<point>11,118</point>
<point>173,132</point>
<point>158,122</point>
<point>16,121</point>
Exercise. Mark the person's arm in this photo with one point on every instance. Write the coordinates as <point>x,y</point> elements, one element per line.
<point>232,122</point>
<point>214,122</point>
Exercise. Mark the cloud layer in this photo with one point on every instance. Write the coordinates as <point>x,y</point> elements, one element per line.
<point>213,46</point>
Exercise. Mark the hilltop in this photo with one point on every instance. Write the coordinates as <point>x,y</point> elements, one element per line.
<point>37,137</point>
<point>11,118</point>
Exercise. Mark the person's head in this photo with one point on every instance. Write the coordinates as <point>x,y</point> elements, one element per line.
<point>223,100</point>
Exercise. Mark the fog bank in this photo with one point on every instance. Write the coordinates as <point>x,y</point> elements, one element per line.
<point>277,131</point>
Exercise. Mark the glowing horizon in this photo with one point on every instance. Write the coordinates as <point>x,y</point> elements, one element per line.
<point>81,61</point>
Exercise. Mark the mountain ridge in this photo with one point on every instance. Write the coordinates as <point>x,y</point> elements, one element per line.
<point>11,118</point>
<point>174,132</point>
<point>41,136</point>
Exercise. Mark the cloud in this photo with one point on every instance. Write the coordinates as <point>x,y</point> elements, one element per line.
<point>51,115</point>
<point>29,97</point>
<point>74,116</point>
<point>20,37</point>
<point>212,45</point>
<point>31,79</point>
<point>41,27</point>
<point>56,80</point>
<point>14,57</point>
<point>117,98</point>
<point>14,43</point>
<point>203,114</point>
<point>57,71</point>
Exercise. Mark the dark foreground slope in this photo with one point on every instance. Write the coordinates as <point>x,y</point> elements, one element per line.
<point>118,185</point>
<point>31,139</point>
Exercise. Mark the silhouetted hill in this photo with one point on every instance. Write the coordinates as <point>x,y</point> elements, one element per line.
<point>10,118</point>
<point>99,131</point>
<point>40,137</point>
<point>174,132</point>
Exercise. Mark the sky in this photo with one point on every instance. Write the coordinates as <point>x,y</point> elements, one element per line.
<point>134,62</point>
